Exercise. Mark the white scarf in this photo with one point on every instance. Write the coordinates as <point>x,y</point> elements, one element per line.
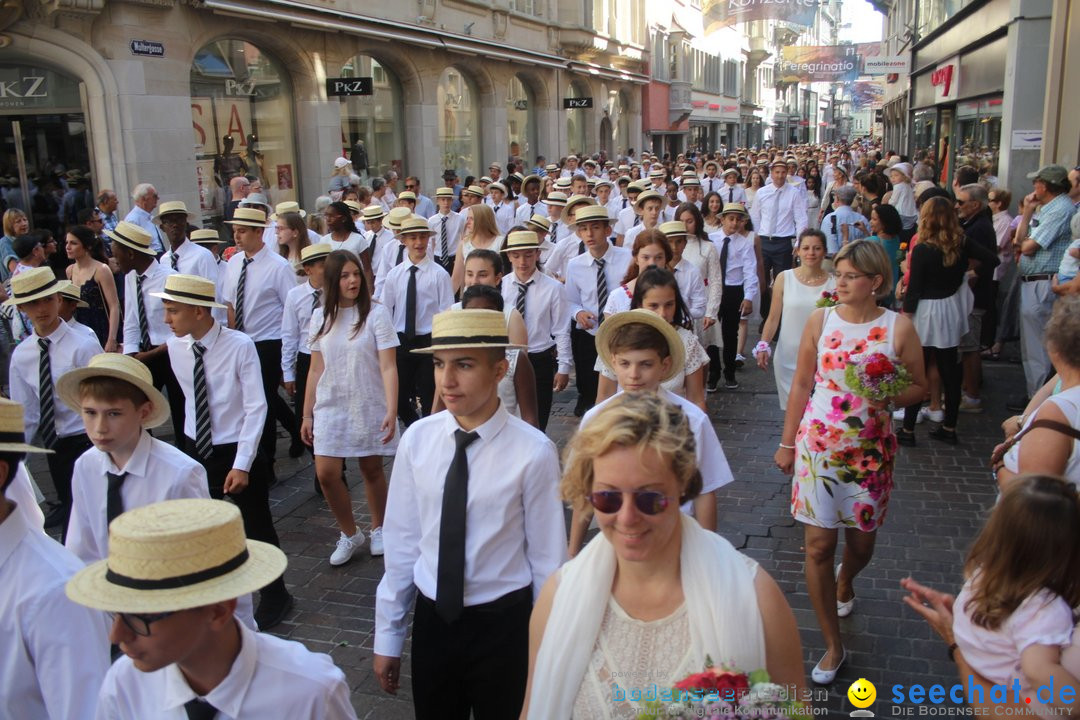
<point>721,605</point>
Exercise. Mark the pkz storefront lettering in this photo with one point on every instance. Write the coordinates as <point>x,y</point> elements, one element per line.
<point>25,87</point>
<point>347,87</point>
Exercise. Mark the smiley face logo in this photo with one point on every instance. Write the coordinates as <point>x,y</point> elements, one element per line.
<point>862,693</point>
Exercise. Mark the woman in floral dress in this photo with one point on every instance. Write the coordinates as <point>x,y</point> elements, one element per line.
<point>840,446</point>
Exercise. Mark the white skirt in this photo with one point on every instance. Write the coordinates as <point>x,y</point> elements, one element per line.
<point>941,323</point>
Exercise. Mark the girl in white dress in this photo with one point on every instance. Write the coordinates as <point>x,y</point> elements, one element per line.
<point>351,404</point>
<point>795,295</point>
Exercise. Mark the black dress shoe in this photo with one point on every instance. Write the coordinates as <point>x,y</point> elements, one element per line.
<point>272,610</point>
<point>946,436</point>
<point>903,437</point>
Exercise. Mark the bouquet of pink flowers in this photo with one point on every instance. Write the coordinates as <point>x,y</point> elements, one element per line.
<point>828,298</point>
<point>726,693</point>
<point>875,377</point>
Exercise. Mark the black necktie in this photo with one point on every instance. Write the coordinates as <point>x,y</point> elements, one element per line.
<point>239,312</point>
<point>410,304</point>
<point>315,298</point>
<point>450,588</point>
<point>199,709</point>
<point>444,241</point>
<point>522,289</point>
<point>175,261</point>
<point>114,501</point>
<point>637,221</point>
<point>731,195</point>
<point>45,395</point>
<point>204,440</point>
<point>624,201</point>
<point>554,232</point>
<point>400,255</point>
<point>140,306</point>
<point>601,289</point>
<point>724,257</point>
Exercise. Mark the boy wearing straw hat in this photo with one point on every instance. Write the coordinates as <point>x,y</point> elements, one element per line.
<point>37,363</point>
<point>257,282</point>
<point>504,209</point>
<point>376,234</point>
<point>473,523</point>
<point>171,580</point>
<point>414,292</point>
<point>541,300</point>
<point>555,262</point>
<point>529,203</point>
<point>738,267</point>
<point>390,254</point>
<point>183,256</point>
<point>219,372</point>
<point>55,655</point>
<point>70,301</point>
<point>299,306</point>
<point>590,277</point>
<point>446,228</point>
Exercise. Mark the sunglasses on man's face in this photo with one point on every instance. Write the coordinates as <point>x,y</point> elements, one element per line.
<point>609,502</point>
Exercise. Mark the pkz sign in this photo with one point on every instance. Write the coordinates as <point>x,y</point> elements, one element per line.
<point>575,103</point>
<point>147,48</point>
<point>345,87</point>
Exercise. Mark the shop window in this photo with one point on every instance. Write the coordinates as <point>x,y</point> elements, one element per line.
<point>459,123</point>
<point>241,116</point>
<point>978,135</point>
<point>575,122</point>
<point>521,120</point>
<point>371,125</point>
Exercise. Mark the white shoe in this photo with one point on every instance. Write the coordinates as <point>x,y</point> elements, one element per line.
<point>934,416</point>
<point>826,677</point>
<point>346,546</point>
<point>376,546</point>
<point>844,608</point>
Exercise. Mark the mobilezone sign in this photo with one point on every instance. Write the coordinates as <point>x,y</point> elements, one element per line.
<point>887,65</point>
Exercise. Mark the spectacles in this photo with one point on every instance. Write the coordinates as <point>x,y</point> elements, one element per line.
<point>849,277</point>
<point>648,502</point>
<point>139,623</point>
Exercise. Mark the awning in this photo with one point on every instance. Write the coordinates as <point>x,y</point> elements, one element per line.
<point>584,68</point>
<point>304,15</point>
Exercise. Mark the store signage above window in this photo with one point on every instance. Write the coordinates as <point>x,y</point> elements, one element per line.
<point>25,87</point>
<point>147,48</point>
<point>348,87</point>
<point>946,81</point>
<point>577,103</point>
<point>887,65</point>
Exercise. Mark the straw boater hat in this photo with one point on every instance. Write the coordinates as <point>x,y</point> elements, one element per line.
<point>530,178</point>
<point>556,198</point>
<point>172,207</point>
<point>779,163</point>
<point>903,168</point>
<point>395,217</point>
<point>414,225</point>
<point>205,237</point>
<point>539,222</point>
<point>474,190</point>
<point>673,228</point>
<point>248,217</point>
<point>176,555</point>
<point>354,207</point>
<point>132,236</point>
<point>485,180</point>
<point>314,252</point>
<point>551,167</point>
<point>287,208</point>
<point>730,171</point>
<point>497,186</point>
<point>646,196</point>
<point>737,208</point>
<point>189,290</point>
<point>691,181</point>
<point>592,213</point>
<point>576,200</point>
<point>407,195</point>
<point>119,367</point>
<point>676,348</point>
<point>70,291</point>
<point>563,183</point>
<point>30,285</point>
<point>13,429</point>
<point>521,240</point>
<point>444,192</point>
<point>374,212</point>
<point>460,329</point>
<point>657,173</point>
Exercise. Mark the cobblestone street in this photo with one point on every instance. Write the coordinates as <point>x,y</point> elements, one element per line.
<point>939,502</point>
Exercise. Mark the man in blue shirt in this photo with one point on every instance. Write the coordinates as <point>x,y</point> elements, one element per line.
<point>842,225</point>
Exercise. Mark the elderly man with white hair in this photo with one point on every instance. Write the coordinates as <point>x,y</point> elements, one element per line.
<point>144,198</point>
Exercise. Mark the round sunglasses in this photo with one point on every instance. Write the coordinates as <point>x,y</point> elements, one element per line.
<point>648,502</point>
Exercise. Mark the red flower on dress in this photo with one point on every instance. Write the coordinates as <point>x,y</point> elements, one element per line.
<point>859,347</point>
<point>877,334</point>
<point>864,515</point>
<point>834,339</point>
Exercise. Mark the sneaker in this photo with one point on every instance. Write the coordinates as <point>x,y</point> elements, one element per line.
<point>376,546</point>
<point>731,384</point>
<point>740,361</point>
<point>934,416</point>
<point>346,546</point>
<point>898,415</point>
<point>713,385</point>
<point>971,405</point>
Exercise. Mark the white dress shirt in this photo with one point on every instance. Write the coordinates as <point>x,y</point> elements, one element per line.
<point>270,678</point>
<point>626,220</point>
<point>525,211</point>
<point>712,462</point>
<point>434,293</point>
<point>69,350</point>
<point>154,282</point>
<point>355,243</point>
<point>79,327</point>
<point>632,233</point>
<point>270,277</point>
<point>555,259</point>
<point>779,211</point>
<point>741,262</point>
<point>23,491</point>
<point>156,471</point>
<point>732,194</point>
<point>581,281</point>
<point>504,216</point>
<point>376,241</point>
<point>387,260</point>
<point>455,226</point>
<point>515,535</point>
<point>545,315</point>
<point>692,288</point>
<point>192,259</point>
<point>55,653</point>
<point>143,219</point>
<point>231,364</point>
<point>704,256</point>
<point>712,184</point>
<point>295,327</point>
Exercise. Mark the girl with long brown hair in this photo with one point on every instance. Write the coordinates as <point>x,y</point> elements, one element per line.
<point>651,247</point>
<point>480,233</point>
<point>939,301</point>
<point>353,386</point>
<point>292,238</point>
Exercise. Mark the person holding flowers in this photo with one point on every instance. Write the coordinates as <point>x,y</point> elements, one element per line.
<point>856,359</point>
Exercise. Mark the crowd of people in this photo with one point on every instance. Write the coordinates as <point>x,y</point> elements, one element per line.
<point>435,331</point>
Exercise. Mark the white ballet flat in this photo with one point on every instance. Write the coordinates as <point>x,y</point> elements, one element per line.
<point>826,677</point>
<point>844,608</point>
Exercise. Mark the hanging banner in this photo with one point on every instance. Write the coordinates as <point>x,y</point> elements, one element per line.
<point>718,14</point>
<point>824,63</point>
<point>867,94</point>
